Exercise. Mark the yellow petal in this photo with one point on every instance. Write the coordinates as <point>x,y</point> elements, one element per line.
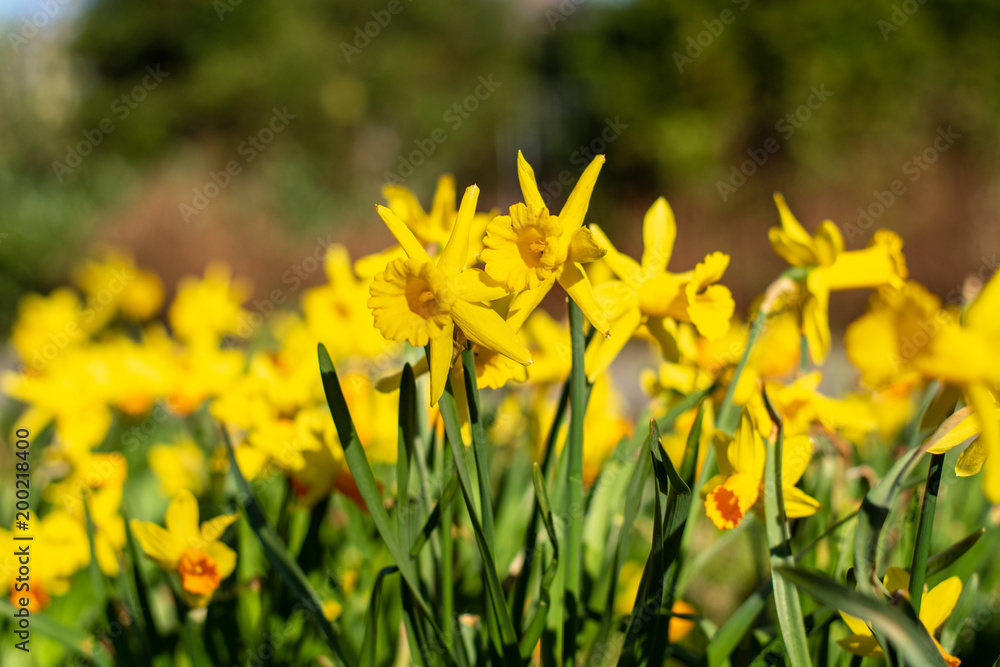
<point>529,186</point>
<point>476,285</point>
<point>622,265</point>
<point>982,400</point>
<point>711,310</point>
<point>441,353</point>
<point>896,579</point>
<point>982,314</point>
<point>577,285</point>
<point>585,247</point>
<point>522,305</point>
<point>157,543</point>
<point>182,517</point>
<point>955,430</point>
<point>212,530</point>
<point>881,263</point>
<point>443,206</point>
<point>791,241</point>
<point>798,503</point>
<point>938,603</point>
<point>857,626</point>
<point>865,645</point>
<point>224,557</point>
<point>482,325</point>
<point>578,201</point>
<point>796,453</point>
<point>746,451</point>
<point>659,230</point>
<point>403,235</point>
<point>971,461</point>
<point>456,252</point>
<point>828,243</point>
<point>602,351</point>
<point>816,325</point>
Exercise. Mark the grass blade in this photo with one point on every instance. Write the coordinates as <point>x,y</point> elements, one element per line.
<point>922,545</point>
<point>369,644</point>
<point>537,623</point>
<point>434,518</point>
<point>943,559</point>
<point>779,539</point>
<point>574,498</point>
<point>404,452</point>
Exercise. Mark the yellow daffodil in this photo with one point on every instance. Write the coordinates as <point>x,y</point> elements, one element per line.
<point>646,292</point>
<point>968,356</point>
<point>194,553</point>
<point>422,300</point>
<point>831,268</point>
<point>739,486</point>
<point>935,607</point>
<point>177,466</point>
<point>206,309</point>
<point>887,340</point>
<point>59,549</point>
<point>117,284</point>
<point>47,325</point>
<point>529,250</point>
<point>431,228</point>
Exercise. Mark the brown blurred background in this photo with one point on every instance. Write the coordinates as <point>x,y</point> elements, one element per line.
<point>255,132</point>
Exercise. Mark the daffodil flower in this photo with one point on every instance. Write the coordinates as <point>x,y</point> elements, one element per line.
<point>967,356</point>
<point>646,292</point>
<point>421,300</point>
<point>738,487</point>
<point>936,605</point>
<point>194,553</point>
<point>529,250</point>
<point>831,268</point>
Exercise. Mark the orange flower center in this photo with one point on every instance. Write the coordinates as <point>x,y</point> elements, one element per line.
<point>726,504</point>
<point>199,573</point>
<point>38,597</point>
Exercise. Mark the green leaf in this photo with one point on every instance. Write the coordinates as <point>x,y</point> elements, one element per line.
<point>908,637</point>
<point>786,597</point>
<point>369,644</point>
<point>728,637</point>
<point>434,518</point>
<point>573,452</point>
<point>357,462</point>
<point>943,559</point>
<point>536,625</point>
<point>404,451</point>
<point>494,592</point>
<point>281,560</point>
<point>74,639</point>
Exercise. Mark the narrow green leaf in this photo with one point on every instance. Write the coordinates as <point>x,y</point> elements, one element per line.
<point>729,414</point>
<point>357,462</point>
<point>786,597</point>
<point>574,480</point>
<point>536,625</point>
<point>277,554</point>
<point>434,518</point>
<point>922,544</point>
<point>369,644</point>
<point>404,452</point>
<point>909,638</point>
<point>943,559</point>
<point>494,592</point>
<point>728,637</point>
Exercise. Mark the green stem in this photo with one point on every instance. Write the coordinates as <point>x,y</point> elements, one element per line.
<point>729,414</point>
<point>921,549</point>
<point>574,504</point>
<point>447,576</point>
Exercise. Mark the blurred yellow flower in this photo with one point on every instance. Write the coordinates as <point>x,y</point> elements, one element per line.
<point>116,284</point>
<point>206,309</point>
<point>831,268</point>
<point>194,553</point>
<point>179,466</point>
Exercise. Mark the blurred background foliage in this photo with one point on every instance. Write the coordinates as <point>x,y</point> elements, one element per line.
<point>683,90</point>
